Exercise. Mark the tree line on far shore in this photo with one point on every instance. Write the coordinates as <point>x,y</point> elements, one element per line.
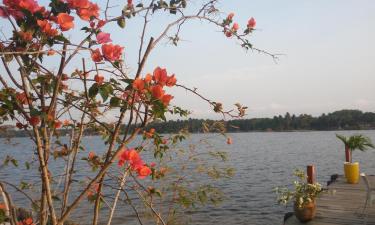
<point>338,120</point>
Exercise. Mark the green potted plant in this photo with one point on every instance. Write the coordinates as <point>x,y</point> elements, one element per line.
<point>352,143</point>
<point>303,196</point>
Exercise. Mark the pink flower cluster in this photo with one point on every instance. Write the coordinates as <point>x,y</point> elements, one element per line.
<point>109,51</point>
<point>229,31</point>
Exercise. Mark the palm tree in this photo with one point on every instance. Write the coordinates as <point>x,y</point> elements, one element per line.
<point>354,142</point>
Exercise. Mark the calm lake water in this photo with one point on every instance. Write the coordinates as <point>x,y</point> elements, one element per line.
<point>262,161</point>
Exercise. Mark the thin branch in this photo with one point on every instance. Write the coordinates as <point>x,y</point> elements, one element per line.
<point>10,73</point>
<point>21,191</point>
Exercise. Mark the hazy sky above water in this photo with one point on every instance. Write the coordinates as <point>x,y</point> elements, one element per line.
<point>328,62</point>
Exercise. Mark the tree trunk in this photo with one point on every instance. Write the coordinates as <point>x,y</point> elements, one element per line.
<point>348,154</point>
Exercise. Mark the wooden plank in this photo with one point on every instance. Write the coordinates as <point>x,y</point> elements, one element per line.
<point>341,204</point>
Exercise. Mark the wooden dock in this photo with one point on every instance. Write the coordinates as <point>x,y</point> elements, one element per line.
<point>342,204</point>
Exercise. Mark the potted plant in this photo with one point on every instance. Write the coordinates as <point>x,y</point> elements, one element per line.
<point>352,143</point>
<point>303,196</point>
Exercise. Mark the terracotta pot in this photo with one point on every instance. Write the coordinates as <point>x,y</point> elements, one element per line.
<point>351,172</point>
<point>305,213</point>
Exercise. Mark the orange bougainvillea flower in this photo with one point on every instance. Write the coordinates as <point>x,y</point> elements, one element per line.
<point>46,28</point>
<point>229,141</point>
<point>26,36</point>
<point>136,164</point>
<point>99,79</point>
<point>88,12</point>
<point>171,81</point>
<point>57,124</point>
<point>91,155</point>
<point>160,76</point>
<point>122,150</point>
<point>138,84</point>
<point>21,98</point>
<point>93,190</point>
<point>251,23</point>
<point>103,37</point>
<point>235,27</point>
<point>66,122</point>
<point>130,155</point>
<point>30,5</point>
<point>2,206</point>
<point>65,21</point>
<point>51,116</point>
<point>34,120</point>
<point>157,91</point>
<point>3,13</point>
<point>96,55</point>
<point>51,52</point>
<point>228,33</point>
<point>75,4</point>
<point>163,170</point>
<point>135,161</point>
<point>230,16</point>
<point>166,99</point>
<point>148,78</point>
<point>28,221</point>
<point>112,52</point>
<point>143,172</point>
<point>90,194</point>
<point>101,23</point>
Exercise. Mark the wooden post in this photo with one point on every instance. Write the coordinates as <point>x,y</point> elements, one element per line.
<point>311,174</point>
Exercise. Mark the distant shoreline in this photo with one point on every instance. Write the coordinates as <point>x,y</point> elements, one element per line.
<point>3,136</point>
<point>336,121</point>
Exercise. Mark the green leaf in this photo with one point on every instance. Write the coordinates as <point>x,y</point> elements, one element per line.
<point>3,217</point>
<point>173,11</point>
<point>24,185</point>
<point>105,91</point>
<point>34,112</point>
<point>93,90</point>
<point>62,38</point>
<point>128,81</point>
<point>121,23</point>
<point>86,29</point>
<point>183,3</point>
<point>14,162</point>
<point>114,102</point>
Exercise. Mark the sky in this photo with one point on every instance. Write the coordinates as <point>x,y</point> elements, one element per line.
<point>327,63</point>
<point>327,60</point>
